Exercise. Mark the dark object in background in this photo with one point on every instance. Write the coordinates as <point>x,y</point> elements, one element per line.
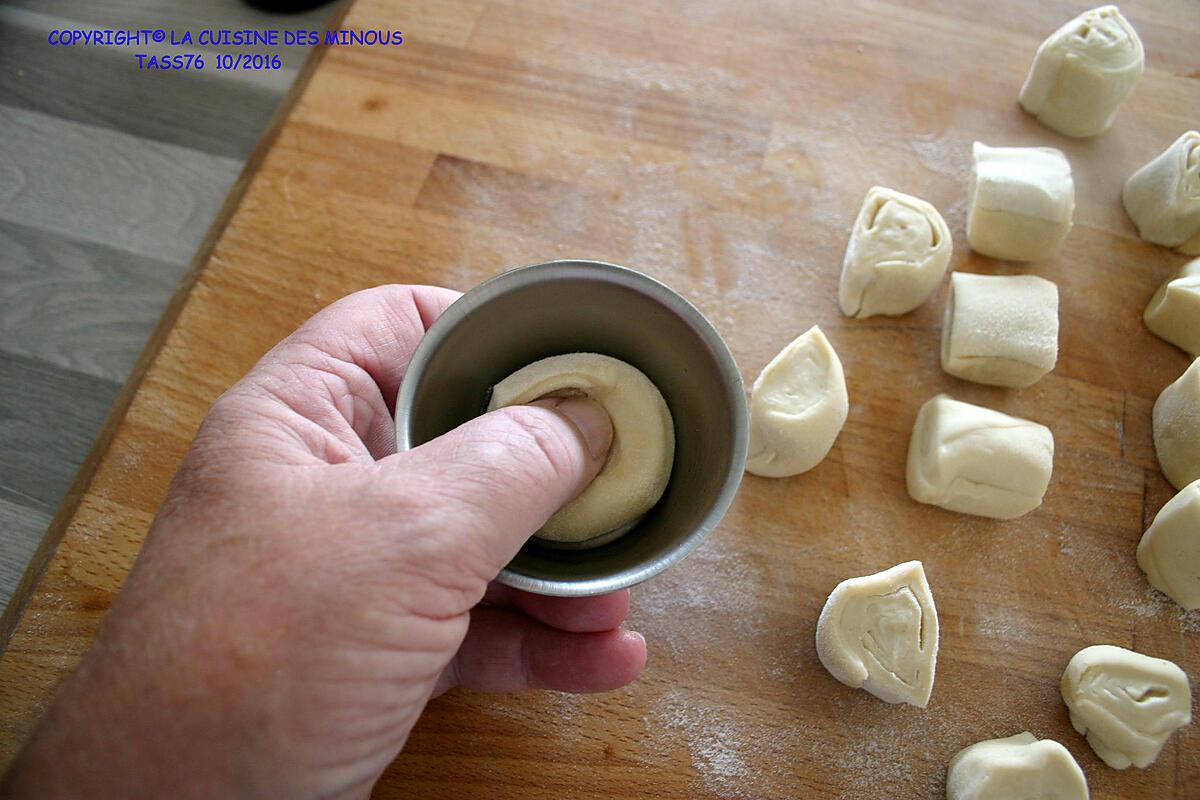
<point>286,6</point>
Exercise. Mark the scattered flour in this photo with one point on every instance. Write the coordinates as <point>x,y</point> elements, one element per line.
<point>715,742</point>
<point>1152,603</point>
<point>685,610</point>
<point>945,155</point>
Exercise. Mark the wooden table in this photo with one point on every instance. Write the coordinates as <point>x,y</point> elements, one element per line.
<point>723,147</point>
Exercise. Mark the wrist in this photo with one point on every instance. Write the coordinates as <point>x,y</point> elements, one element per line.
<point>126,724</point>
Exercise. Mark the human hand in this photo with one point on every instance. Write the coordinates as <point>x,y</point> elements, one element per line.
<point>304,590</point>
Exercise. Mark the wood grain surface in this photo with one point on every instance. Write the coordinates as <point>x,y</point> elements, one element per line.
<point>96,85</point>
<point>723,147</point>
<point>82,133</point>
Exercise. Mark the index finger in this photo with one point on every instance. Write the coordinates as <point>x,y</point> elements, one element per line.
<point>375,329</point>
<point>332,384</point>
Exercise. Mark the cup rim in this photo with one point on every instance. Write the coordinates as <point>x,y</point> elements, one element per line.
<point>520,277</point>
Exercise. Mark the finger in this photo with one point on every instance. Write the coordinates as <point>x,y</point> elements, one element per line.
<point>576,614</point>
<point>332,384</point>
<point>376,330</point>
<point>499,477</point>
<point>505,651</point>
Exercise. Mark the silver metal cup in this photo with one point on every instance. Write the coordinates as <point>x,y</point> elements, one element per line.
<point>558,307</point>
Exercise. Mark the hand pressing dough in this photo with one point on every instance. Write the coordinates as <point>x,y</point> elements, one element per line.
<point>880,633</point>
<point>898,252</point>
<point>1018,766</point>
<point>642,451</point>
<point>1020,202</point>
<point>1176,423</point>
<point>1173,313</point>
<point>1082,72</point>
<point>1163,197</point>
<point>974,460</point>
<point>1000,329</point>
<point>1127,704</point>
<point>1169,552</point>
<point>798,405</point>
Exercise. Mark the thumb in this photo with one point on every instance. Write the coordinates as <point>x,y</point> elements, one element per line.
<point>502,475</point>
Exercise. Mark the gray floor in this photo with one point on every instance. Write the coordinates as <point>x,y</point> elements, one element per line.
<point>109,178</point>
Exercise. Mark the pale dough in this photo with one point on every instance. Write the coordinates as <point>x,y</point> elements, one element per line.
<point>1163,197</point>
<point>1000,329</point>
<point>898,252</point>
<point>643,447</point>
<point>974,460</point>
<point>1169,552</point>
<point>798,405</point>
<point>1020,202</point>
<point>1018,766</point>
<point>880,633</point>
<point>1082,72</point>
<point>1173,313</point>
<point>1176,424</point>
<point>1126,703</point>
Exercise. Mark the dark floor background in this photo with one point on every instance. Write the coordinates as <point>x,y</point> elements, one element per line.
<point>109,179</point>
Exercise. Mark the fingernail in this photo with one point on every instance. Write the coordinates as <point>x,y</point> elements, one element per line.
<point>589,418</point>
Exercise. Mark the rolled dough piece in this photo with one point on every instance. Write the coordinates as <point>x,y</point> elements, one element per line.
<point>974,460</point>
<point>1126,703</point>
<point>1020,766</point>
<point>1000,329</point>
<point>798,405</point>
<point>1169,552</point>
<point>880,633</point>
<point>1020,202</point>
<point>642,451</point>
<point>898,252</point>
<point>1176,424</point>
<point>1082,72</point>
<point>1163,197</point>
<point>1173,314</point>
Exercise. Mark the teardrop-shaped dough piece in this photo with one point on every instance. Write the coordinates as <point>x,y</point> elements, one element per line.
<point>1169,552</point>
<point>1173,314</point>
<point>880,633</point>
<point>898,252</point>
<point>1082,72</point>
<point>797,408</point>
<point>643,447</point>
<point>1176,426</point>
<point>1163,197</point>
<point>1126,703</point>
<point>1018,766</point>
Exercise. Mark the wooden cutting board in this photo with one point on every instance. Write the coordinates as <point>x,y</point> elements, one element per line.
<point>723,147</point>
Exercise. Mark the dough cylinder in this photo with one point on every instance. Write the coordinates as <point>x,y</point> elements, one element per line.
<point>976,460</point>
<point>1000,330</point>
<point>1020,202</point>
